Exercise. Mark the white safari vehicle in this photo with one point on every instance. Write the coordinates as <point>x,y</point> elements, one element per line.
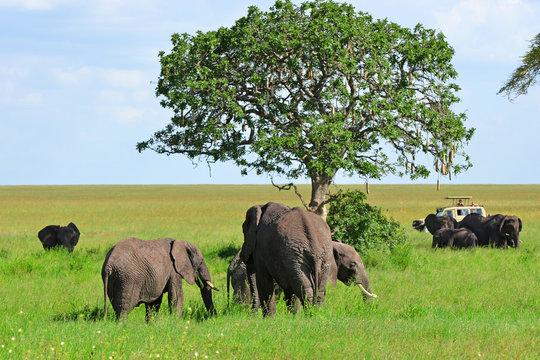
<point>461,206</point>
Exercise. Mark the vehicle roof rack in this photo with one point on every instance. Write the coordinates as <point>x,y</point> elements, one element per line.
<point>458,197</point>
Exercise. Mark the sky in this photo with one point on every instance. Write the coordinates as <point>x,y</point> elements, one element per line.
<point>77,88</point>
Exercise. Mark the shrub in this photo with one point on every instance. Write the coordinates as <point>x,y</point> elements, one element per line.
<point>361,225</point>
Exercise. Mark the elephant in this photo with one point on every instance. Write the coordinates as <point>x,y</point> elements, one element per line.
<point>454,238</point>
<point>434,223</point>
<point>62,236</point>
<point>495,230</point>
<point>348,267</point>
<point>291,247</point>
<point>136,271</point>
<point>244,286</point>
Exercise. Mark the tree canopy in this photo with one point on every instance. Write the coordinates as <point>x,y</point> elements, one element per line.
<point>308,90</point>
<point>526,74</point>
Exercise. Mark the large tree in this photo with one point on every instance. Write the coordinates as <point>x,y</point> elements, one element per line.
<point>526,74</point>
<point>308,90</point>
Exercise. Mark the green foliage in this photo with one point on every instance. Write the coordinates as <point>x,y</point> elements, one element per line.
<point>364,226</point>
<point>527,74</point>
<point>306,90</point>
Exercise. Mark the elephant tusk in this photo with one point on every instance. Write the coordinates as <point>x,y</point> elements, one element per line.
<point>211,285</point>
<point>366,292</point>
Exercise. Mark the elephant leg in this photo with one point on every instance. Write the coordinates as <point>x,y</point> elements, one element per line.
<point>153,308</point>
<point>176,296</point>
<point>265,288</point>
<point>291,301</point>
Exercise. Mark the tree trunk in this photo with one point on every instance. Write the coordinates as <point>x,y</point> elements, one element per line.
<point>319,189</point>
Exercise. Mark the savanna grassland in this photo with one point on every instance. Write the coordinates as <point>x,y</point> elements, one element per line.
<point>481,303</point>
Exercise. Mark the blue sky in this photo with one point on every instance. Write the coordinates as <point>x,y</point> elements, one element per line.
<point>77,82</point>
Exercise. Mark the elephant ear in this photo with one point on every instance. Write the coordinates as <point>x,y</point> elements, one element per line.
<point>520,226</point>
<point>249,227</point>
<point>332,275</point>
<point>182,261</point>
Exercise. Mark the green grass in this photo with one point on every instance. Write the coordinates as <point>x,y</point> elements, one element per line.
<point>480,303</point>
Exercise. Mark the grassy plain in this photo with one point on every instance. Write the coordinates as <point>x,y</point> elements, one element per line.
<point>481,303</point>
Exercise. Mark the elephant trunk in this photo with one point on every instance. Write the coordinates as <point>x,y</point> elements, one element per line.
<point>205,284</point>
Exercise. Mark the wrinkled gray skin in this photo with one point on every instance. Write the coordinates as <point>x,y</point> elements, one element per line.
<point>139,272</point>
<point>244,286</point>
<point>495,230</point>
<point>62,236</point>
<point>291,247</point>
<point>434,223</point>
<point>454,238</point>
<point>348,268</point>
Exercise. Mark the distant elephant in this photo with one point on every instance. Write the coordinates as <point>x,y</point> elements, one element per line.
<point>63,236</point>
<point>291,247</point>
<point>348,267</point>
<point>495,230</point>
<point>434,222</point>
<point>454,238</point>
<point>244,286</point>
<point>137,271</point>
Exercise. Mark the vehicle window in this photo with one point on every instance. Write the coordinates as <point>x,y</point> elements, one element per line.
<point>463,212</point>
<point>476,211</point>
<point>449,212</point>
<point>440,213</point>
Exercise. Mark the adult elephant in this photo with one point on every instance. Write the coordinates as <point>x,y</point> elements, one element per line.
<point>434,222</point>
<point>62,236</point>
<point>347,266</point>
<point>454,238</point>
<point>495,230</point>
<point>291,247</point>
<point>137,271</point>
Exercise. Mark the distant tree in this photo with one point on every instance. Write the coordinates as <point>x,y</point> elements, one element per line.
<point>527,74</point>
<point>308,90</point>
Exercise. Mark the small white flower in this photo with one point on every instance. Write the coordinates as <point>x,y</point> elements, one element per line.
<point>217,351</point>
<point>13,338</point>
<point>9,351</point>
<point>157,355</point>
<point>189,309</point>
<point>21,312</point>
<point>62,343</point>
<point>99,331</point>
<point>206,356</point>
<point>110,357</point>
<point>52,349</point>
<point>93,346</point>
<point>187,322</point>
<point>196,354</point>
<point>221,334</point>
<point>20,330</point>
<point>3,346</point>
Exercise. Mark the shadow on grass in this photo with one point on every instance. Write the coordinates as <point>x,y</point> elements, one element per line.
<point>86,313</point>
<point>226,252</point>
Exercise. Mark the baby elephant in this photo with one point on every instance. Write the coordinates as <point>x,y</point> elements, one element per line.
<point>454,238</point>
<point>137,271</point>
<point>63,236</point>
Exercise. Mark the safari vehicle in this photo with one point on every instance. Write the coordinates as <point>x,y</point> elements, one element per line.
<point>461,207</point>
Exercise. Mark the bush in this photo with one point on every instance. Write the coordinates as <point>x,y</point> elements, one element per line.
<point>361,225</point>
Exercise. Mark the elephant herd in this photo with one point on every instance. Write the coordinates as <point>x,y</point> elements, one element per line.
<point>499,231</point>
<point>285,250</point>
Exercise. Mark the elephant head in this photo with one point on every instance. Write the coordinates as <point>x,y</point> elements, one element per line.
<point>63,236</point>
<point>348,268</point>
<point>508,231</point>
<point>442,238</point>
<point>189,263</point>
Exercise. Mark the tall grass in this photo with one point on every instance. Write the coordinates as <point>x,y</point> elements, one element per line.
<point>480,303</point>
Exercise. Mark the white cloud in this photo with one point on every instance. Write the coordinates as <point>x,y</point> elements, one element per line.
<point>128,79</point>
<point>127,114</point>
<point>31,99</point>
<point>493,30</point>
